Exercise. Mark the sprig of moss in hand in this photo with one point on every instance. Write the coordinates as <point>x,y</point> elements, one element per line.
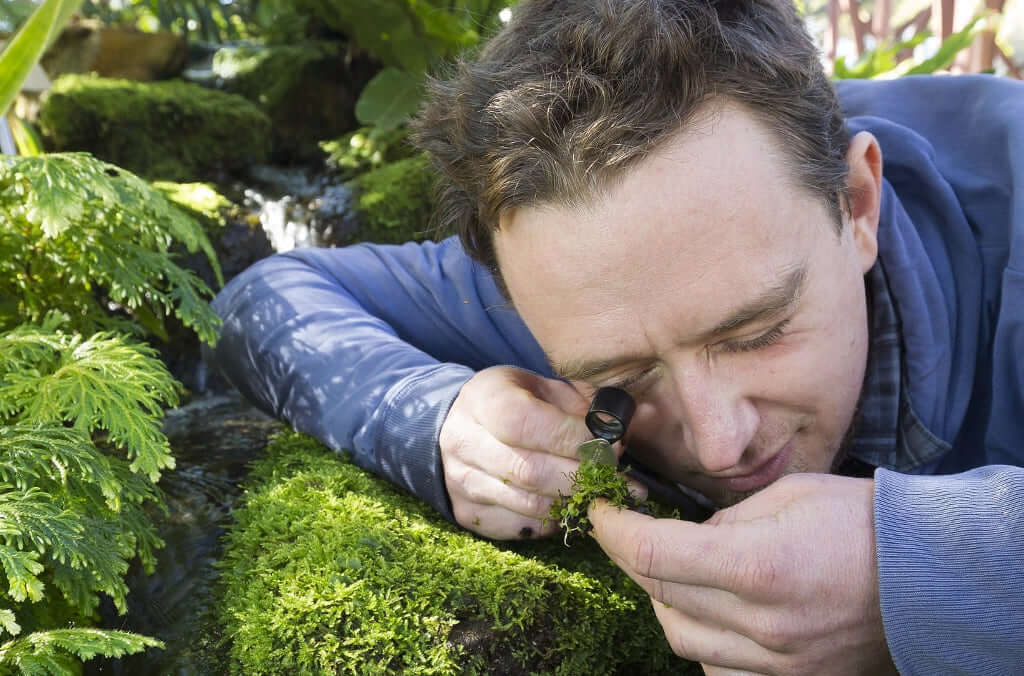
<point>592,480</point>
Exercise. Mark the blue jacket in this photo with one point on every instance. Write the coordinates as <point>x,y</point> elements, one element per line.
<point>366,348</point>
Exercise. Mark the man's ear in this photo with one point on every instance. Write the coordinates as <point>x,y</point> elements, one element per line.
<point>864,183</point>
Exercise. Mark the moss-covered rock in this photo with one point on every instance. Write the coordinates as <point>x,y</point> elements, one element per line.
<point>308,90</point>
<point>163,130</point>
<point>366,149</point>
<point>392,204</point>
<point>329,570</point>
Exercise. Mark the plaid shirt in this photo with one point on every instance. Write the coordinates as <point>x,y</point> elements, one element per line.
<point>886,431</point>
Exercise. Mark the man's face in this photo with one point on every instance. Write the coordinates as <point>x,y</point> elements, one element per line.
<point>717,293</point>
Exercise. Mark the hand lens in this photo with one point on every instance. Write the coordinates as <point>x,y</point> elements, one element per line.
<point>608,418</point>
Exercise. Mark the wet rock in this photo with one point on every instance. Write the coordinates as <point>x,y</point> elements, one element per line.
<point>90,46</point>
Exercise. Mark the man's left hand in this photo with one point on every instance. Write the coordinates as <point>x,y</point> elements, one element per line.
<point>784,582</point>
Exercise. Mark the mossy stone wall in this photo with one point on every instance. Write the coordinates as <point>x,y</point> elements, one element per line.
<point>330,570</point>
<point>162,130</point>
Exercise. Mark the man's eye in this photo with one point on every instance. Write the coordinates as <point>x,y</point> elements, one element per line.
<point>759,343</point>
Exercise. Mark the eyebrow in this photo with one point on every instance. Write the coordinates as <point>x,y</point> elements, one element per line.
<point>778,297</point>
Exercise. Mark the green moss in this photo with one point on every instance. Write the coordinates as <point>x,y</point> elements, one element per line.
<point>161,130</point>
<point>200,200</point>
<point>366,149</point>
<point>265,75</point>
<point>330,570</point>
<point>394,203</point>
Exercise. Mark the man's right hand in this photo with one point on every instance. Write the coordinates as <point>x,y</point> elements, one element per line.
<point>508,446</point>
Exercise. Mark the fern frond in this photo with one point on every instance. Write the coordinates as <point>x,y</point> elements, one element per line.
<point>49,653</point>
<point>72,226</point>
<point>8,622</point>
<point>107,551</point>
<point>56,459</point>
<point>22,570</point>
<point>102,382</point>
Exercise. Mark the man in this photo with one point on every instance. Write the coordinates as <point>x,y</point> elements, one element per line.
<point>671,202</point>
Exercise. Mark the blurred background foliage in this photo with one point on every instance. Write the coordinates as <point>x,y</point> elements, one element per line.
<point>408,38</point>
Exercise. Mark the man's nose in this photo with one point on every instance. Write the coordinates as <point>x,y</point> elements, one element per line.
<point>718,422</point>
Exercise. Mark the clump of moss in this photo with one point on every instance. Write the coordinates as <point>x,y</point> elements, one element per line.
<point>591,481</point>
<point>160,130</point>
<point>394,203</point>
<point>330,570</point>
<point>200,200</point>
<point>365,149</point>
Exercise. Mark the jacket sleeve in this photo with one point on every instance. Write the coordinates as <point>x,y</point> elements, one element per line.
<point>366,347</point>
<point>950,562</point>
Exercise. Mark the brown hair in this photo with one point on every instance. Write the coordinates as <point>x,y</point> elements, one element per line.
<point>572,92</point>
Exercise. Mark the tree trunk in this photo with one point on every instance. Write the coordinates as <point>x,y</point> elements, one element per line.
<point>860,28</point>
<point>881,19</point>
<point>983,51</point>
<point>942,17</point>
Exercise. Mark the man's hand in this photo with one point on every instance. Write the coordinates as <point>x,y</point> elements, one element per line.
<point>508,447</point>
<point>785,582</point>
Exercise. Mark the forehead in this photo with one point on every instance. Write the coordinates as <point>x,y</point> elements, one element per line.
<point>703,224</point>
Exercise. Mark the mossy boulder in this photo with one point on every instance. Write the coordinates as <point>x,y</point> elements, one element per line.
<point>330,570</point>
<point>391,204</point>
<point>308,90</point>
<point>366,149</point>
<point>162,130</point>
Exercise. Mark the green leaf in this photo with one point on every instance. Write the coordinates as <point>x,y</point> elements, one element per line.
<point>49,652</point>
<point>25,137</point>
<point>390,98</point>
<point>28,45</point>
<point>948,50</point>
<point>8,623</point>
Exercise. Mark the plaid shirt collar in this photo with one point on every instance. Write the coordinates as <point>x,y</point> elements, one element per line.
<point>886,431</point>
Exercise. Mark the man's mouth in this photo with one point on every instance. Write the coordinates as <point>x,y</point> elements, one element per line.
<point>762,475</point>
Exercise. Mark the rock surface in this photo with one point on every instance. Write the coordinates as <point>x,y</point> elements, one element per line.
<point>162,130</point>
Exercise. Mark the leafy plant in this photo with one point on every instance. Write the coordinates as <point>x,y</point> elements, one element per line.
<point>80,453</point>
<point>408,37</point>
<point>83,236</point>
<point>27,46</point>
<point>84,247</point>
<point>209,20</point>
<point>884,61</point>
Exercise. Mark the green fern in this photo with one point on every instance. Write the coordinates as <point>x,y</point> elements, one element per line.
<point>80,236</point>
<point>100,383</point>
<point>50,653</point>
<point>81,451</point>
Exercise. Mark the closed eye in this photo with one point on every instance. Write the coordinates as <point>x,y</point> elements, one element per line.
<point>766,339</point>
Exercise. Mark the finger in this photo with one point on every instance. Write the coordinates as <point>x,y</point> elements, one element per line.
<point>526,421</point>
<point>699,641</point>
<point>480,488</point>
<point>499,523</point>
<point>533,471</point>
<point>561,394</point>
<point>712,670</point>
<point>669,550</point>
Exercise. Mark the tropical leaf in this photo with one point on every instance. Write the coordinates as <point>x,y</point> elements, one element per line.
<point>28,44</point>
<point>390,98</point>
